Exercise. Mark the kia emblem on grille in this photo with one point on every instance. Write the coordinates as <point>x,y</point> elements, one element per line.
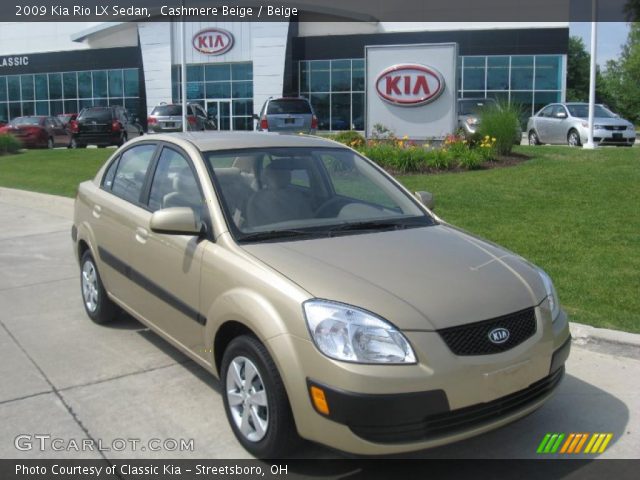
<point>498,335</point>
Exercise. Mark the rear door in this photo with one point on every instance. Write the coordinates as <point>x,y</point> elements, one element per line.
<point>167,267</point>
<point>289,115</point>
<point>112,221</point>
<point>60,135</point>
<point>542,124</point>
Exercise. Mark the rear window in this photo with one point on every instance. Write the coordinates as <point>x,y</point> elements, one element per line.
<point>288,105</point>
<point>97,114</point>
<point>27,121</point>
<point>167,110</point>
<point>469,107</point>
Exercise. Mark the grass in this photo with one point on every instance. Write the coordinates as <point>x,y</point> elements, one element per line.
<point>574,213</point>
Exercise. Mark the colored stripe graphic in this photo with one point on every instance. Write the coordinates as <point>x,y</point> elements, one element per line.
<point>574,443</point>
<point>543,443</point>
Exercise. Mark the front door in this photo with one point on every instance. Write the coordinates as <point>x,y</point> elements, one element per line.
<point>220,112</point>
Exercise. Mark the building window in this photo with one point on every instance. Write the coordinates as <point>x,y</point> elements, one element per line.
<point>224,90</point>
<point>335,89</point>
<point>530,81</point>
<point>68,92</point>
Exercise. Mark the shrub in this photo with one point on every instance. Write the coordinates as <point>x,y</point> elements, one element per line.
<point>350,138</point>
<point>502,123</point>
<point>9,144</point>
<point>439,158</point>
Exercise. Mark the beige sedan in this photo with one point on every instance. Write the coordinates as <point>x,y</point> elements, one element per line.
<point>332,303</point>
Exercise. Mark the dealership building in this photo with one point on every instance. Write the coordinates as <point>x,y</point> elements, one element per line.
<point>233,67</point>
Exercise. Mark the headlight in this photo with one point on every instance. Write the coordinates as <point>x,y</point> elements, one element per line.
<point>350,334</point>
<point>472,121</point>
<point>598,127</point>
<point>552,296</point>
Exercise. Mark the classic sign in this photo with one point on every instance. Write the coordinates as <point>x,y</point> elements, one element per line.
<point>213,41</point>
<point>409,84</point>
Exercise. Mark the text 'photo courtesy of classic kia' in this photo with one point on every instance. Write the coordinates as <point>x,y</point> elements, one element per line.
<point>332,303</point>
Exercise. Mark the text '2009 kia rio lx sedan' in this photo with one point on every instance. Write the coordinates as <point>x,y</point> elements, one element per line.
<point>331,303</point>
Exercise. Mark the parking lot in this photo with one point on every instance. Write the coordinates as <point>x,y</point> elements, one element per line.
<point>69,378</point>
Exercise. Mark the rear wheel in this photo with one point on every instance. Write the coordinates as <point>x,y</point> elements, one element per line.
<point>123,140</point>
<point>573,139</point>
<point>74,144</point>
<point>50,143</point>
<point>96,302</point>
<point>533,138</point>
<point>255,400</point>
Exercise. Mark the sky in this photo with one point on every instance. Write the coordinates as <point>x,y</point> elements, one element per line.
<point>611,35</point>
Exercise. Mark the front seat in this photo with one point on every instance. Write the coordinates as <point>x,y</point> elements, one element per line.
<point>185,191</point>
<point>277,201</point>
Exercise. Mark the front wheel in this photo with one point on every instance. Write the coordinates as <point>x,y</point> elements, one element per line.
<point>255,400</point>
<point>573,139</point>
<point>96,302</point>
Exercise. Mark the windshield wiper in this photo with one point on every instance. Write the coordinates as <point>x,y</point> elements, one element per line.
<point>371,225</point>
<point>275,234</point>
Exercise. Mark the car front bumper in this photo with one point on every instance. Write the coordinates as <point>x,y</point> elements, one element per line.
<point>444,398</point>
<point>609,137</point>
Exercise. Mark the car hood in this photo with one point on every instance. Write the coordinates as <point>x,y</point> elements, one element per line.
<point>616,122</point>
<point>419,279</point>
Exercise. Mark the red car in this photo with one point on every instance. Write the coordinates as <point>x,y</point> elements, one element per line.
<point>38,132</point>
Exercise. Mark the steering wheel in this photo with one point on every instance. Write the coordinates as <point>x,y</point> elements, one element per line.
<point>325,209</point>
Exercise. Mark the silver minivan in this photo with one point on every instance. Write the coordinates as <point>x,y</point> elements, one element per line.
<point>288,114</point>
<point>167,118</point>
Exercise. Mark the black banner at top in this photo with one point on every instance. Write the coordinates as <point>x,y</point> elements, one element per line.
<point>320,10</point>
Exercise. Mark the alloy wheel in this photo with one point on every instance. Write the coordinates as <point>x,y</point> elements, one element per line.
<point>247,398</point>
<point>90,286</point>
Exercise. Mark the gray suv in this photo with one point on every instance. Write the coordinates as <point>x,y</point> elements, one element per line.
<point>288,114</point>
<point>166,118</point>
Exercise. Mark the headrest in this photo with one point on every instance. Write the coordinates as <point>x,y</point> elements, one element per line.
<point>245,163</point>
<point>275,177</point>
<point>227,175</point>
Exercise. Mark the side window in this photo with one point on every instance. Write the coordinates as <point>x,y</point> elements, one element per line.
<point>107,180</point>
<point>131,172</point>
<point>300,178</point>
<point>546,112</point>
<point>174,183</point>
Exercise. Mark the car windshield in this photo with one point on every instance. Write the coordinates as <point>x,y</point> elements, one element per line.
<point>276,193</point>
<point>97,114</point>
<point>582,111</point>
<point>26,121</point>
<point>167,110</point>
<point>471,107</point>
<point>288,105</point>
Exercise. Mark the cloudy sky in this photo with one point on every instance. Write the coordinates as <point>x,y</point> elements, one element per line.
<point>611,35</point>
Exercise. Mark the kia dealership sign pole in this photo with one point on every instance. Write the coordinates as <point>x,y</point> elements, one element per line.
<point>592,78</point>
<point>183,74</point>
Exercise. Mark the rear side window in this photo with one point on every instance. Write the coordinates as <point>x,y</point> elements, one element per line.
<point>97,114</point>
<point>167,110</point>
<point>107,181</point>
<point>288,105</point>
<point>131,172</point>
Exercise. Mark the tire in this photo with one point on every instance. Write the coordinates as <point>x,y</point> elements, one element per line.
<point>97,303</point>
<point>573,139</point>
<point>533,138</point>
<point>74,144</point>
<point>50,143</point>
<point>277,435</point>
<point>123,140</point>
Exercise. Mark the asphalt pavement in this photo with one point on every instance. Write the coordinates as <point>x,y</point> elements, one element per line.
<point>67,378</point>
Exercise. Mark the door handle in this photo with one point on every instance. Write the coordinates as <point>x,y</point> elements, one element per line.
<point>142,234</point>
<point>97,210</point>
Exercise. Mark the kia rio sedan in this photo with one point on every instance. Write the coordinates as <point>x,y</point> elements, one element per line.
<point>331,302</point>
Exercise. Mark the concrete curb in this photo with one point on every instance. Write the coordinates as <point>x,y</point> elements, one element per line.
<point>585,334</point>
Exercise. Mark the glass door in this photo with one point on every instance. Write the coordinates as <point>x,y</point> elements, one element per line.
<point>220,112</point>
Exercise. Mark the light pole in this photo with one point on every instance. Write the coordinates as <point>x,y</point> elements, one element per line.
<point>592,75</point>
<point>183,72</point>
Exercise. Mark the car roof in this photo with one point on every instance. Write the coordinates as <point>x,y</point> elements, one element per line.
<point>207,141</point>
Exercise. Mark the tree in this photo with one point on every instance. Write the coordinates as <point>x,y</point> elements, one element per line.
<point>577,71</point>
<point>620,79</point>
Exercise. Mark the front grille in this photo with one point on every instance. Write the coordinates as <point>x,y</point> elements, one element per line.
<point>473,338</point>
<point>448,423</point>
<point>615,128</point>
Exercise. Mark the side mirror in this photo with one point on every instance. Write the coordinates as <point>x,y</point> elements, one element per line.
<point>427,199</point>
<point>176,221</point>
<point>561,114</point>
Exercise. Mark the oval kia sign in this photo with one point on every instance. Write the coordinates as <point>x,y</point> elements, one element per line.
<point>213,41</point>
<point>409,84</point>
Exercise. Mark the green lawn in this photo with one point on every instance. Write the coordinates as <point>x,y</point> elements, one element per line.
<point>575,213</point>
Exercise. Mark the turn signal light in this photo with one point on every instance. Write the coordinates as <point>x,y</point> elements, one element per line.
<point>73,126</point>
<point>115,126</point>
<point>314,123</point>
<point>191,119</point>
<point>264,125</point>
<point>151,120</point>
<point>319,400</point>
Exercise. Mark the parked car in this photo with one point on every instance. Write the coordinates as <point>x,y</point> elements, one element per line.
<point>66,118</point>
<point>3,122</point>
<point>331,302</point>
<point>103,126</point>
<point>38,131</point>
<point>567,123</point>
<point>289,114</point>
<point>168,118</point>
<point>469,113</point>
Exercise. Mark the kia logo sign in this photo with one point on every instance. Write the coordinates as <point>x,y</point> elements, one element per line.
<point>213,41</point>
<point>499,335</point>
<point>409,84</point>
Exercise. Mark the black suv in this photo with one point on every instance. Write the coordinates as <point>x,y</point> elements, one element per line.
<point>103,126</point>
